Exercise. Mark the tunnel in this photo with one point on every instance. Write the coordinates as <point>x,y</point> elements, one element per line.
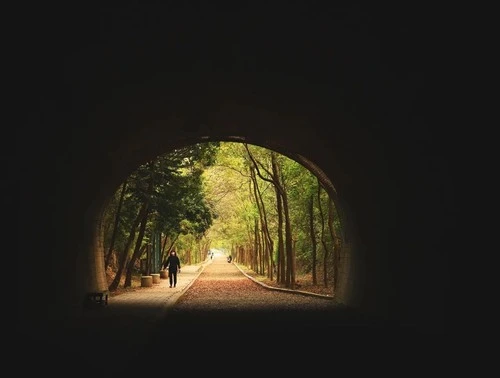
<point>356,119</point>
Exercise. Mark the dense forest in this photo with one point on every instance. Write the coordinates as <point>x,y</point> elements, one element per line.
<point>264,209</point>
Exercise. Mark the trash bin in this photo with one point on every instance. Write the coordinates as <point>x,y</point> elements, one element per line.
<point>156,278</point>
<point>146,281</point>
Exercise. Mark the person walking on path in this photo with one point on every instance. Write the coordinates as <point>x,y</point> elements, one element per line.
<point>174,266</point>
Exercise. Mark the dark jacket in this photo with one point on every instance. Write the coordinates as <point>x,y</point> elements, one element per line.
<point>173,263</point>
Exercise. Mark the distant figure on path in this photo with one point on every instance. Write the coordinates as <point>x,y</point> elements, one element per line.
<point>229,258</point>
<point>174,266</point>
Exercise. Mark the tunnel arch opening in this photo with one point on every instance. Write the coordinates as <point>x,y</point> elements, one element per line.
<point>369,131</point>
<point>348,285</point>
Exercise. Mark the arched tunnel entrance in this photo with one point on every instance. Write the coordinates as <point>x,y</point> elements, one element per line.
<point>355,112</point>
<point>369,194</point>
<point>255,126</point>
<point>346,291</point>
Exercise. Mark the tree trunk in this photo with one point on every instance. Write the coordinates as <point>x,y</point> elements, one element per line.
<point>137,250</point>
<point>312,234</point>
<point>115,226</point>
<point>123,256</point>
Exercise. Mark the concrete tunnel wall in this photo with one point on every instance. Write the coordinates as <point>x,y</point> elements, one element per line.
<point>113,143</point>
<point>253,125</point>
<point>358,113</point>
<point>349,291</point>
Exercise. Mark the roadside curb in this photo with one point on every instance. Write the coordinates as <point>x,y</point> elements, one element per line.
<point>301,292</point>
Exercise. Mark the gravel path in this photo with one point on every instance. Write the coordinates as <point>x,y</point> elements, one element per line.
<point>222,310</point>
<point>223,286</point>
<point>223,302</point>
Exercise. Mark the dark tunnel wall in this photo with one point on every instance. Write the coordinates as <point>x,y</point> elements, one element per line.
<point>351,99</point>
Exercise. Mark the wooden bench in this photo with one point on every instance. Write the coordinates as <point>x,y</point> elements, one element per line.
<point>99,297</point>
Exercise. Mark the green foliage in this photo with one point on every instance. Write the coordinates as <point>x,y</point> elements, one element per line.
<point>203,194</point>
<point>172,186</point>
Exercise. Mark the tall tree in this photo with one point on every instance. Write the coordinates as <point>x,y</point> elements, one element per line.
<point>268,242</point>
<point>312,233</point>
<point>274,176</point>
<point>124,254</point>
<point>142,229</point>
<point>322,238</point>
<point>115,225</point>
<point>336,242</point>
